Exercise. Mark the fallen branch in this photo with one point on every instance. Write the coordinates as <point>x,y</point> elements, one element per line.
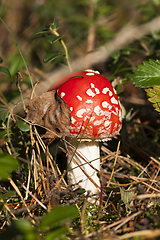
<point>125,36</point>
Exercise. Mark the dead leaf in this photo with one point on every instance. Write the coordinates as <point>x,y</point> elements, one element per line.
<point>51,112</point>
<point>127,195</point>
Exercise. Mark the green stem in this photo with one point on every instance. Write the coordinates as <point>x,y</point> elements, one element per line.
<point>54,32</point>
<point>19,51</point>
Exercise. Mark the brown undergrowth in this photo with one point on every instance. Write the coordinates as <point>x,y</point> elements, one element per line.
<point>130,190</point>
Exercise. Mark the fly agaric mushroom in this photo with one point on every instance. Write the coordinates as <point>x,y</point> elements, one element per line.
<point>95,116</point>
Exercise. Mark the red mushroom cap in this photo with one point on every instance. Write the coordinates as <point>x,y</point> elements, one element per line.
<point>94,105</point>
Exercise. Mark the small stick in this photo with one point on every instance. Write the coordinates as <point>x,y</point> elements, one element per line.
<point>41,166</point>
<point>20,195</point>
<point>36,199</point>
<point>114,163</point>
<point>19,78</point>
<point>82,219</point>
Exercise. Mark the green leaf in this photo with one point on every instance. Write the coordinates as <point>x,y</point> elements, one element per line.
<point>154,96</point>
<point>1,60</point>
<point>58,215</point>
<point>23,126</point>
<point>7,164</point>
<point>52,38</point>
<point>3,112</point>
<point>4,133</point>
<point>54,25</point>
<point>5,71</point>
<point>147,75</point>
<point>81,191</point>
<point>116,55</point>
<point>16,64</point>
<point>56,233</point>
<point>51,56</point>
<point>127,195</point>
<point>8,194</point>
<point>20,229</point>
<point>40,32</point>
<point>23,225</point>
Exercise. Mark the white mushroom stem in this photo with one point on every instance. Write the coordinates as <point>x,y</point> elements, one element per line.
<point>90,151</point>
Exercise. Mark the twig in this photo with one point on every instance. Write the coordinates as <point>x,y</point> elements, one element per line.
<point>33,90</point>
<point>20,195</point>
<point>125,36</point>
<point>86,162</point>
<point>144,196</point>
<point>62,177</point>
<point>51,159</point>
<point>19,78</point>
<point>48,175</point>
<point>120,222</point>
<point>147,234</point>
<point>114,163</point>
<point>41,165</point>
<point>36,199</point>
<point>82,220</point>
<point>7,208</point>
<point>143,182</point>
<point>128,219</point>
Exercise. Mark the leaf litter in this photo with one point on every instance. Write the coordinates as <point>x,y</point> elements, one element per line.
<point>130,204</point>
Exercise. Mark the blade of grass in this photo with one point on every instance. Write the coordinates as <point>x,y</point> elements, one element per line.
<point>79,142</point>
<point>114,163</point>
<point>18,50</point>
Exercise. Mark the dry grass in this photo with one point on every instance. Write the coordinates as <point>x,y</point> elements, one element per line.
<point>127,169</point>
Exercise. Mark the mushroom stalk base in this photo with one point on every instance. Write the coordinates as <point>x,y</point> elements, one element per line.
<point>89,151</point>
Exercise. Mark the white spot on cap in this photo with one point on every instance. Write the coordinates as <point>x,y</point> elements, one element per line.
<point>92,119</point>
<point>114,91</point>
<point>110,107</point>
<point>89,101</point>
<point>115,112</point>
<point>101,130</point>
<point>62,94</point>
<point>105,90</point>
<point>79,98</point>
<point>120,116</point>
<point>92,71</point>
<point>97,91</point>
<point>80,112</point>
<point>90,74</point>
<point>114,101</point>
<point>110,93</point>
<point>71,108</point>
<point>105,104</point>
<point>73,120</point>
<point>107,123</point>
<point>90,93</point>
<point>97,110</point>
<point>97,122</point>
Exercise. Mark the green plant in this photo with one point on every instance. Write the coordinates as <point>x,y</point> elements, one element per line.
<point>4,70</point>
<point>148,75</point>
<point>53,225</point>
<point>32,185</point>
<point>52,36</point>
